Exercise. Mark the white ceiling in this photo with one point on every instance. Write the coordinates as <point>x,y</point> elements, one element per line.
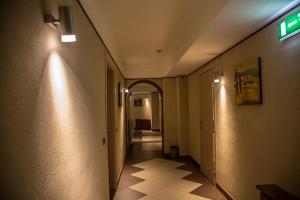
<point>189,32</point>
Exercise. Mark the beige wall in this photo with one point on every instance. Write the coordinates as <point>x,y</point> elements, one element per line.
<point>255,144</point>
<point>155,101</point>
<point>182,114</point>
<point>169,113</point>
<point>194,117</point>
<point>140,112</point>
<point>52,106</point>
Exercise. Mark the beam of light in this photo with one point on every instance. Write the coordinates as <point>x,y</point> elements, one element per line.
<point>58,82</point>
<point>67,128</point>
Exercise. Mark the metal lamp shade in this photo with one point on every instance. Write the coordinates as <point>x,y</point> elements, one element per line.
<point>66,24</point>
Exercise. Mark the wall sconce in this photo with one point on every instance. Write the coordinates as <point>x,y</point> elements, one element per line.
<point>126,90</point>
<point>65,22</point>
<point>218,73</point>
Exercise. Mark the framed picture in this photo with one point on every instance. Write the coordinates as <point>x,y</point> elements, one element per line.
<point>247,83</point>
<point>138,102</point>
<point>119,95</point>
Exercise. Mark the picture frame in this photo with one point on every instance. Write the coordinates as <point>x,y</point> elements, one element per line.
<point>138,102</point>
<point>247,83</point>
<point>119,95</point>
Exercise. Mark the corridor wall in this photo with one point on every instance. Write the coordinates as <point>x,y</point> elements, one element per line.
<point>255,144</point>
<point>52,107</point>
<point>175,114</point>
<point>170,113</point>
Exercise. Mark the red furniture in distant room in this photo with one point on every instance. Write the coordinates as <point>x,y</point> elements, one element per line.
<point>142,124</point>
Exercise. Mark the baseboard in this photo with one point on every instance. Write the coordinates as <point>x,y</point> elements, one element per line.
<point>195,162</point>
<point>226,194</point>
<point>120,174</point>
<point>113,192</point>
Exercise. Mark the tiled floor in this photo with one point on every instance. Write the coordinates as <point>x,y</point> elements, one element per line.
<point>147,136</point>
<point>152,138</point>
<point>152,146</point>
<point>147,175</point>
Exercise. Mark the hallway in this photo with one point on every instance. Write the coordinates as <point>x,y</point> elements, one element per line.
<point>97,95</point>
<point>149,175</point>
<point>150,140</point>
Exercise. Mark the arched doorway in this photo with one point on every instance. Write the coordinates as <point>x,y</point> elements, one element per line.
<point>131,96</point>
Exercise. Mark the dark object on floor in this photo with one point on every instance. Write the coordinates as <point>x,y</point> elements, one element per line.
<point>273,192</point>
<point>174,151</point>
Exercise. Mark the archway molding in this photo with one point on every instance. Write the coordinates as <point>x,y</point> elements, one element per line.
<point>145,81</point>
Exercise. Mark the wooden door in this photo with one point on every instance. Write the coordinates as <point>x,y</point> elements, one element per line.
<point>207,159</point>
<point>111,126</point>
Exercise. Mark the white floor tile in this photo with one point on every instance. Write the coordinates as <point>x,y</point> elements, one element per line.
<point>183,186</point>
<point>146,187</point>
<point>148,197</point>
<point>163,179</point>
<point>158,163</point>
<point>164,182</point>
<point>145,174</point>
<point>152,146</point>
<point>178,173</point>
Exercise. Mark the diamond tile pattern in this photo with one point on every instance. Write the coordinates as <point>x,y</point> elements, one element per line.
<point>162,180</point>
<point>147,174</point>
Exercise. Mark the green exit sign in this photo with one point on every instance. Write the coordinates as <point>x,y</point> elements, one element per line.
<point>289,26</point>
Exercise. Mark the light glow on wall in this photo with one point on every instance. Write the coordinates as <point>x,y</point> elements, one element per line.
<point>52,42</point>
<point>224,125</point>
<point>59,86</point>
<point>148,104</point>
<point>65,110</point>
<point>65,124</point>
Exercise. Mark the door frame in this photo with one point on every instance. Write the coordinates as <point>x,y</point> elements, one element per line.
<point>162,107</point>
<point>213,109</point>
<point>110,150</point>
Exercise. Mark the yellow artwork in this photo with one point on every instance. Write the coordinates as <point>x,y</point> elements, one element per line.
<point>247,83</point>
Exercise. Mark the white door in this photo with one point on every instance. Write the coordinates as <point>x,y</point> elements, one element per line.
<point>207,125</point>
